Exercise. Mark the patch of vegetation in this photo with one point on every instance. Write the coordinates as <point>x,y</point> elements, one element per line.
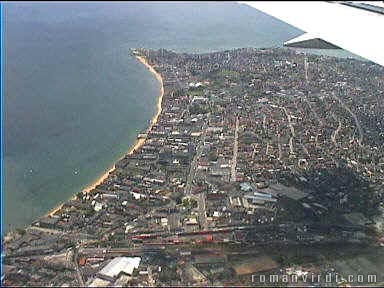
<point>88,212</point>
<point>169,274</point>
<point>291,210</point>
<point>198,91</point>
<point>189,203</point>
<point>228,73</point>
<point>20,231</point>
<point>199,109</point>
<point>212,155</point>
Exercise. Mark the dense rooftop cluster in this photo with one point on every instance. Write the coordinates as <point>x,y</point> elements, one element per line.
<point>253,148</point>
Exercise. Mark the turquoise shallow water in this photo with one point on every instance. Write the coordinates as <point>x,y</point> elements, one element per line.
<point>75,99</point>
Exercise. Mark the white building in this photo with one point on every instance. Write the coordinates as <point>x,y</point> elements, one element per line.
<point>120,265</point>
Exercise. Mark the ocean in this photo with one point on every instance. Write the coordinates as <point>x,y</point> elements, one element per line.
<point>74,97</point>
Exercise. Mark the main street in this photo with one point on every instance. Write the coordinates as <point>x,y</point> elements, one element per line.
<point>235,150</point>
<point>193,167</point>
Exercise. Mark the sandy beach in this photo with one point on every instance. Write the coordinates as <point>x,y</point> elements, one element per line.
<point>138,143</point>
<point>160,98</point>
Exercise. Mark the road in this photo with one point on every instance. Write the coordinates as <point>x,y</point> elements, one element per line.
<point>279,146</point>
<point>45,230</point>
<point>151,280</point>
<point>289,121</point>
<point>235,150</point>
<point>335,133</point>
<point>126,251</point>
<point>305,149</point>
<point>193,167</point>
<point>79,275</point>
<point>291,148</point>
<point>202,211</point>
<point>353,115</point>
<point>313,110</point>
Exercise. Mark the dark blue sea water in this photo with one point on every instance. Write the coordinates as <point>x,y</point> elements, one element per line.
<point>75,99</point>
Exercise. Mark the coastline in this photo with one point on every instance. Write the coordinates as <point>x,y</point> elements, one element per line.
<point>136,145</point>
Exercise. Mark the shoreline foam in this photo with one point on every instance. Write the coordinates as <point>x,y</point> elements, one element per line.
<point>137,144</point>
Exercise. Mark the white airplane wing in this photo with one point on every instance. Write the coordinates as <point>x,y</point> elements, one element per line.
<point>357,27</point>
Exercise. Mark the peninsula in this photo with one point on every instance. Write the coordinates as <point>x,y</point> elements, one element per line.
<point>257,162</point>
